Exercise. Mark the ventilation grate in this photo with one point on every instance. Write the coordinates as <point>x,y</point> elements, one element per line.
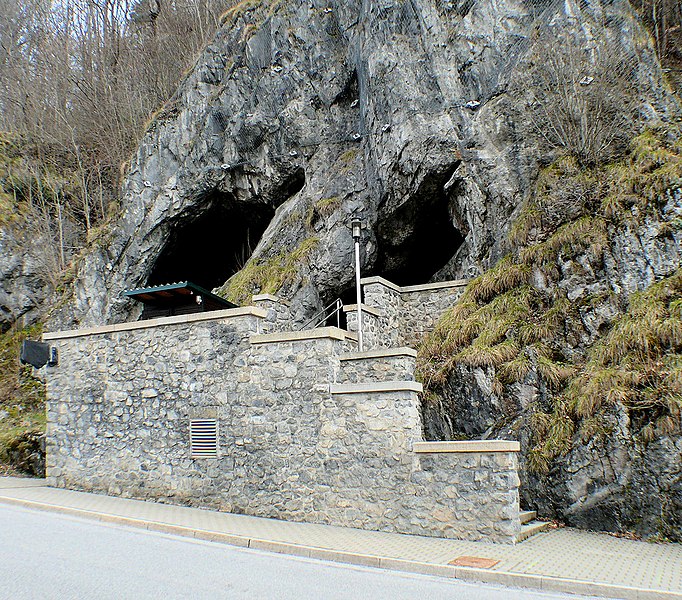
<point>203,438</point>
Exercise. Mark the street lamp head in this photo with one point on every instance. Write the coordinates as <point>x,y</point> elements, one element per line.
<point>356,226</point>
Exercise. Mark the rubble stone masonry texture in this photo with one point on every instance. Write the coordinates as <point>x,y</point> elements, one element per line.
<point>403,315</point>
<point>301,437</point>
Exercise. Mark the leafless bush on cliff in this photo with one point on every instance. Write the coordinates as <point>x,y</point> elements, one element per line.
<point>581,99</point>
<point>663,18</point>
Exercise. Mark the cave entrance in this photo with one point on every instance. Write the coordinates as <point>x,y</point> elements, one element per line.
<point>209,247</point>
<point>418,239</point>
<point>211,242</point>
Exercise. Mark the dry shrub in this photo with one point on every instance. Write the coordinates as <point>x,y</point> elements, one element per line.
<point>581,94</point>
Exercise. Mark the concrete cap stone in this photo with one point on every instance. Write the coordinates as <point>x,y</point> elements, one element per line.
<point>376,387</point>
<point>333,333</point>
<point>466,446</point>
<point>365,309</point>
<point>214,315</point>
<point>270,298</point>
<point>379,353</point>
<point>455,283</point>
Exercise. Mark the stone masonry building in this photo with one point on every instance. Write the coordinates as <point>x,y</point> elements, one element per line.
<point>234,410</point>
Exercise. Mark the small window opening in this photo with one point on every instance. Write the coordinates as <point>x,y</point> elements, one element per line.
<point>203,437</point>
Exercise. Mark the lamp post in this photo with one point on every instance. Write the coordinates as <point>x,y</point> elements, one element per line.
<point>356,226</point>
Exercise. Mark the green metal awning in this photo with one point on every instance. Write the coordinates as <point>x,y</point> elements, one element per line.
<point>172,293</point>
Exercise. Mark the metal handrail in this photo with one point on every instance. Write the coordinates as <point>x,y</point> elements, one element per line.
<point>321,316</point>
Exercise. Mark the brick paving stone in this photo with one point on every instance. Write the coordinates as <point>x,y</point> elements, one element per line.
<point>559,553</point>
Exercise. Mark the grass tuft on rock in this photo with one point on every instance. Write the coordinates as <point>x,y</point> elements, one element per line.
<point>639,362</point>
<point>515,319</point>
<point>267,275</point>
<point>322,209</point>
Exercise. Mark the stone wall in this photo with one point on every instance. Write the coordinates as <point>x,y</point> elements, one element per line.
<point>385,297</point>
<point>408,312</point>
<point>374,334</point>
<point>279,317</point>
<point>293,444</point>
<point>423,305</point>
<point>392,364</point>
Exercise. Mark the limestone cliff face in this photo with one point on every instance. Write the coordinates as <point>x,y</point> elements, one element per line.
<point>299,116</point>
<point>24,286</point>
<point>608,470</point>
<point>419,117</point>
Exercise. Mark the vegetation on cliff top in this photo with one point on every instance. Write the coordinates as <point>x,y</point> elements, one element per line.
<point>43,199</point>
<point>84,79</point>
<point>516,319</point>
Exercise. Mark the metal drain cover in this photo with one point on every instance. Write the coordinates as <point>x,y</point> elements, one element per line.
<point>473,561</point>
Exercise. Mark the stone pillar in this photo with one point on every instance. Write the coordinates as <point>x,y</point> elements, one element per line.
<point>384,296</point>
<point>279,312</point>
<point>372,326</point>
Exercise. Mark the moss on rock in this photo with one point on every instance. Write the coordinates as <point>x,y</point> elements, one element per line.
<point>22,404</point>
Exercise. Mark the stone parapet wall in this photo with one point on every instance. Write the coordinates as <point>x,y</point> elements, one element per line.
<point>292,444</point>
<point>423,306</point>
<point>481,489</point>
<point>377,365</point>
<point>450,495</point>
<point>279,317</point>
<point>387,299</point>
<point>408,312</point>
<point>373,324</point>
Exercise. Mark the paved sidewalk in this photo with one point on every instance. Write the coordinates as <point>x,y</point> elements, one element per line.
<point>561,560</point>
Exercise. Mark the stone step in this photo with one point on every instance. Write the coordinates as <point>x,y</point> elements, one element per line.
<point>381,364</point>
<point>531,528</point>
<point>527,516</point>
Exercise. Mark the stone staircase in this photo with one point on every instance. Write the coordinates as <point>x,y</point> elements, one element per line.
<point>529,525</point>
<point>397,315</point>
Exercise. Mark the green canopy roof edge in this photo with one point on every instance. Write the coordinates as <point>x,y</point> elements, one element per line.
<point>177,286</point>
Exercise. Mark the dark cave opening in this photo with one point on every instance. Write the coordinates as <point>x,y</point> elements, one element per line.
<point>209,247</point>
<point>291,186</point>
<point>210,244</point>
<point>418,239</point>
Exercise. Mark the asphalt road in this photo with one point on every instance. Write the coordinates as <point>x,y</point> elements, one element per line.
<point>45,555</point>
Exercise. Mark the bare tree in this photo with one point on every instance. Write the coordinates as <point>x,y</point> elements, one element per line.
<point>78,80</point>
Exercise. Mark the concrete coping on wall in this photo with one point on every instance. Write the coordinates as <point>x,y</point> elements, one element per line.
<point>376,387</point>
<point>437,285</point>
<point>455,283</point>
<point>270,298</point>
<point>379,353</point>
<point>466,446</point>
<point>214,315</point>
<point>333,333</point>
<point>377,312</point>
